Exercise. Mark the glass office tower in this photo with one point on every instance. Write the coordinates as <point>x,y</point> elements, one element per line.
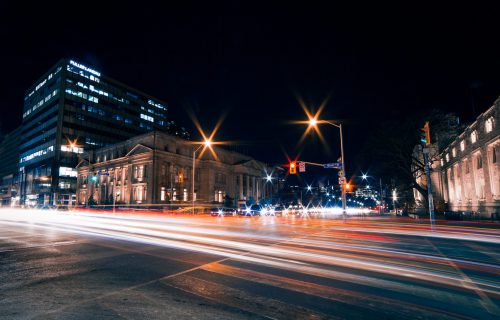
<point>73,108</point>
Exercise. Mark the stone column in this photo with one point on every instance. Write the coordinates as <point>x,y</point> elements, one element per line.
<point>248,186</point>
<point>473,179</point>
<point>240,187</point>
<point>150,188</point>
<point>488,195</point>
<point>254,193</point>
<point>258,189</point>
<point>129,182</point>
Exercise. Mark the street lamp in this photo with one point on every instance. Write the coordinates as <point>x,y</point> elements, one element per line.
<point>206,144</point>
<point>313,122</point>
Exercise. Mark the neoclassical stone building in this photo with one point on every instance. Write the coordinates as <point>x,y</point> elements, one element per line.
<point>469,169</point>
<point>156,168</point>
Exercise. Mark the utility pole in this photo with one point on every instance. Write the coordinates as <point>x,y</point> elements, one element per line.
<point>430,200</point>
<point>380,196</point>
<point>425,139</point>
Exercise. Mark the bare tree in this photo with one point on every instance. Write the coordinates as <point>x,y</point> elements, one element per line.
<point>396,150</point>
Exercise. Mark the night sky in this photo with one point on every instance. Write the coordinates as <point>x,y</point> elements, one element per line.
<point>252,62</point>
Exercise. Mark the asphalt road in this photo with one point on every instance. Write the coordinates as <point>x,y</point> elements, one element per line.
<point>104,266</point>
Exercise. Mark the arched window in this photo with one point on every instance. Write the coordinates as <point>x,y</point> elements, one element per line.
<point>473,136</point>
<point>488,125</point>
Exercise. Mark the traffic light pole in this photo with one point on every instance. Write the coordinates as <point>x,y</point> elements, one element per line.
<point>425,139</point>
<point>343,174</point>
<point>430,199</point>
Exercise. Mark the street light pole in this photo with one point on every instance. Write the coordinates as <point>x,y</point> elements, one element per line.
<point>207,143</point>
<point>192,180</point>
<point>344,205</point>
<point>313,122</point>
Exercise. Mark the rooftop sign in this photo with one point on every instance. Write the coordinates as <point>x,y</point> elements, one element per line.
<point>81,66</point>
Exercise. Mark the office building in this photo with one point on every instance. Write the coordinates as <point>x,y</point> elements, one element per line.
<point>73,108</point>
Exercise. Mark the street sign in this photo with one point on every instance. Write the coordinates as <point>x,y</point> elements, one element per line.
<point>302,167</point>
<point>104,173</point>
<point>342,180</point>
<point>332,165</point>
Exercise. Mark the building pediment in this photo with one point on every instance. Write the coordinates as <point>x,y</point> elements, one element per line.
<point>82,163</point>
<point>138,149</point>
<point>250,164</point>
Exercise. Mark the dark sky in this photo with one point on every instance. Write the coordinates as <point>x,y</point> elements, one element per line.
<point>251,61</point>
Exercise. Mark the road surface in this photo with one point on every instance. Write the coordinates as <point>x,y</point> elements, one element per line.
<point>81,265</point>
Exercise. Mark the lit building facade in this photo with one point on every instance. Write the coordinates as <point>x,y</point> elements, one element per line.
<point>157,168</point>
<point>73,108</point>
<point>469,167</point>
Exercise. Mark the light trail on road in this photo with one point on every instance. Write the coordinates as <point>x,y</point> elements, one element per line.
<point>393,256</point>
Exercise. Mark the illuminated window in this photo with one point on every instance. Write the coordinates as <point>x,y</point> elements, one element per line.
<point>146,117</point>
<point>454,152</point>
<point>488,125</point>
<point>37,154</point>
<point>64,185</point>
<point>462,145</point>
<point>71,149</point>
<point>162,194</point>
<point>447,157</point>
<point>473,136</point>
<point>67,172</point>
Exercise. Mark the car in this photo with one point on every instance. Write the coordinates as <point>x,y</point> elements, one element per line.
<point>230,212</point>
<point>255,210</point>
<point>217,212</point>
<point>222,212</point>
<point>280,211</point>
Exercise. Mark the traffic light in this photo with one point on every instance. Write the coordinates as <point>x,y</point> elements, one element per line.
<point>293,168</point>
<point>425,134</point>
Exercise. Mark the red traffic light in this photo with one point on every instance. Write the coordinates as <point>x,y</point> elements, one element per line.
<point>293,168</point>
